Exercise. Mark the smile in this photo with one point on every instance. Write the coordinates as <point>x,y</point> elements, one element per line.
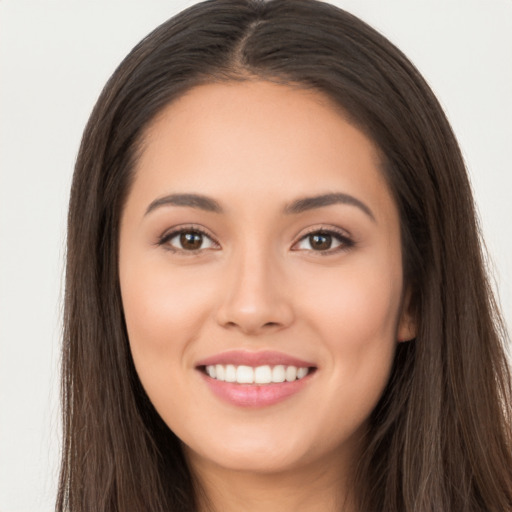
<point>255,379</point>
<point>260,375</point>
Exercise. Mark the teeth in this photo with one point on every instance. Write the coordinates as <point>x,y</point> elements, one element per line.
<point>230,374</point>
<point>245,375</point>
<point>279,373</point>
<point>260,375</point>
<point>301,372</point>
<point>291,373</point>
<point>220,372</point>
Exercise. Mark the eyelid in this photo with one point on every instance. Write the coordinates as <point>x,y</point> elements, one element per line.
<point>347,242</point>
<point>170,233</point>
<point>341,235</point>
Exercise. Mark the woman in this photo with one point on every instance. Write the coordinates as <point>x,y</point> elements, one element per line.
<point>275,292</point>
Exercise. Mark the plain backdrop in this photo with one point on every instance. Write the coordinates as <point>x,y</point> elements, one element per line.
<point>55,56</point>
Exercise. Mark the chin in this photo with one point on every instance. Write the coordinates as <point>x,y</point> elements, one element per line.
<point>253,454</point>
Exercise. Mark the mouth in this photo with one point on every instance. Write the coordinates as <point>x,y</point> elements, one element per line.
<point>255,379</point>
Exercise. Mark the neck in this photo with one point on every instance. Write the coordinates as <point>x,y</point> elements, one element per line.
<point>317,487</point>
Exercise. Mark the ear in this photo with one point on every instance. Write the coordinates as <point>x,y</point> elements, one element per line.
<point>407,328</point>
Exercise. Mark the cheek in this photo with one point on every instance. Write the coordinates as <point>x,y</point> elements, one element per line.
<point>357,306</point>
<point>355,314</point>
<point>163,310</point>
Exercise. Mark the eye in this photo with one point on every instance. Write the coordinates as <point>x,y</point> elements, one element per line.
<point>323,241</point>
<point>188,240</point>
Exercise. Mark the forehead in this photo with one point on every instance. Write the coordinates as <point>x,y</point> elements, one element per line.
<point>257,139</point>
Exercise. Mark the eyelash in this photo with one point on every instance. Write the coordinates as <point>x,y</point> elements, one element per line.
<point>167,237</point>
<point>346,243</point>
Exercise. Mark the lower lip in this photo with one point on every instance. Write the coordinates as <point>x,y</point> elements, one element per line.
<point>253,395</point>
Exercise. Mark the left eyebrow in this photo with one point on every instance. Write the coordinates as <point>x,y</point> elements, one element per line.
<point>310,203</point>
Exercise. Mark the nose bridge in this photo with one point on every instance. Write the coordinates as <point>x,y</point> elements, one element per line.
<point>254,277</point>
<point>256,297</point>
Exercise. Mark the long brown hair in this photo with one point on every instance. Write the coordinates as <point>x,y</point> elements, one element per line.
<point>440,437</point>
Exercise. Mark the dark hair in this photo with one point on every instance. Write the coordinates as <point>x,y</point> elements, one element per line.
<point>440,437</point>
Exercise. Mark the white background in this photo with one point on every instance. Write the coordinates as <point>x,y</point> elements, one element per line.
<point>55,57</point>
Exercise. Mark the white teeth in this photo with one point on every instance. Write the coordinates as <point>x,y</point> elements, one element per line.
<point>245,375</point>
<point>278,373</point>
<point>230,374</point>
<point>291,373</point>
<point>260,375</point>
<point>301,372</point>
<point>220,372</point>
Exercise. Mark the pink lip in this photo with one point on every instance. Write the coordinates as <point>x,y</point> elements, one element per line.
<point>254,395</point>
<point>247,358</point>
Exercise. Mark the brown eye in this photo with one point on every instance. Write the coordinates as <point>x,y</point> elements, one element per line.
<point>320,241</point>
<point>327,242</point>
<point>188,240</point>
<point>191,241</point>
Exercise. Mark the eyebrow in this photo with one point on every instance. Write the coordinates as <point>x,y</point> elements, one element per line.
<point>310,203</point>
<point>191,200</point>
<point>298,206</point>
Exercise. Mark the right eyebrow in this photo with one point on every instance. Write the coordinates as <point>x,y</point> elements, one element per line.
<point>191,200</point>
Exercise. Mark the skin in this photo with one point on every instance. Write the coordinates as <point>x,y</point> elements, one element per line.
<point>261,284</point>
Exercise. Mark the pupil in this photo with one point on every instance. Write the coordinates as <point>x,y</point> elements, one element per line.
<point>191,240</point>
<point>320,242</point>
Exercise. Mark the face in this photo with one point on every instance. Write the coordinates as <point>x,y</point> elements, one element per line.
<point>261,276</point>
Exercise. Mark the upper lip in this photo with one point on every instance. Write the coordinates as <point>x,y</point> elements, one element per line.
<point>248,358</point>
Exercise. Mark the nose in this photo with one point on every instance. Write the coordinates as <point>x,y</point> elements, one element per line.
<point>255,299</point>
